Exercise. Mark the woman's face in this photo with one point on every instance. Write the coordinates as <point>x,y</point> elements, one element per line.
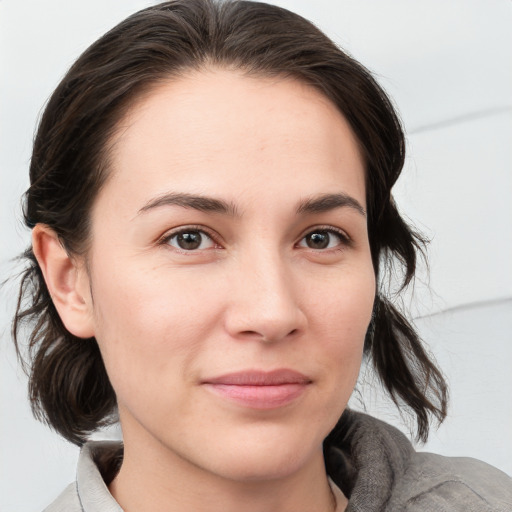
<point>230,282</point>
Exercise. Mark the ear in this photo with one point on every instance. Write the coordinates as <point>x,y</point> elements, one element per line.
<point>67,282</point>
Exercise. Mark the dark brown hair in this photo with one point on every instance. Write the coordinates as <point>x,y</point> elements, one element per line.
<point>69,387</point>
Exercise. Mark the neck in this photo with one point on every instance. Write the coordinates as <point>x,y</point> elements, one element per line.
<point>153,478</point>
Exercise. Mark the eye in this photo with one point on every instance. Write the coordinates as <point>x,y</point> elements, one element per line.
<point>321,239</point>
<point>190,240</point>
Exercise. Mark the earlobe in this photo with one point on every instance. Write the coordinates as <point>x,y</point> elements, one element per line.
<point>67,282</point>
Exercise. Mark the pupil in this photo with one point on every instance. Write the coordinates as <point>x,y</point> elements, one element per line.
<point>318,240</point>
<point>189,241</point>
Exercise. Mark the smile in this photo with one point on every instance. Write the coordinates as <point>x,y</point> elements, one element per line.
<point>258,389</point>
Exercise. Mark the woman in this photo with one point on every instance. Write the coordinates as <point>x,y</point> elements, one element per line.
<point>211,209</point>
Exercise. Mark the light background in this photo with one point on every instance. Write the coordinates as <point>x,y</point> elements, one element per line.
<point>447,64</point>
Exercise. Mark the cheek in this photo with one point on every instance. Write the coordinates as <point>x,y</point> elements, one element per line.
<point>338,331</point>
<point>146,324</point>
<point>342,317</point>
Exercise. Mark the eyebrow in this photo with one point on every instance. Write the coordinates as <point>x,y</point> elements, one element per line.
<point>327,202</point>
<point>196,202</point>
<point>318,204</point>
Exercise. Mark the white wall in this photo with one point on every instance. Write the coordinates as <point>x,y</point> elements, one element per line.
<point>448,67</point>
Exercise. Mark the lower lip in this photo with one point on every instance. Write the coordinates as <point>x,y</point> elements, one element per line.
<point>260,397</point>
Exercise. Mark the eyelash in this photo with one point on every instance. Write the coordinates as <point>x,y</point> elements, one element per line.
<point>165,240</point>
<point>345,240</point>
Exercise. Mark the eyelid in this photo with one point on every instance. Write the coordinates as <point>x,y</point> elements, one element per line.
<point>346,240</point>
<point>164,239</point>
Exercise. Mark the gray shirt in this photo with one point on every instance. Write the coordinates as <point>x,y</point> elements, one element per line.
<point>373,463</point>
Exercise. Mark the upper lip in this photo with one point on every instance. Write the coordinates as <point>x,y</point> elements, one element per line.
<point>260,378</point>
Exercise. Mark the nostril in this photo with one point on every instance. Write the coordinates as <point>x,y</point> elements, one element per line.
<point>266,337</point>
<point>250,333</point>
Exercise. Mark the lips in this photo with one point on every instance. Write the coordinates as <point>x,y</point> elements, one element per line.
<point>259,389</point>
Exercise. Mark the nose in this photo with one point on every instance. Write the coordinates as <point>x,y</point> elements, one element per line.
<point>265,301</point>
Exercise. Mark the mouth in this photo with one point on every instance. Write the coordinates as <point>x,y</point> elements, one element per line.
<point>257,389</point>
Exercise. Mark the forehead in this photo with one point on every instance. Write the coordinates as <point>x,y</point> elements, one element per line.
<point>219,128</point>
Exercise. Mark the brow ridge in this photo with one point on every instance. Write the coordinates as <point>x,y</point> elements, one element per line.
<point>318,204</point>
<point>327,202</point>
<point>193,201</point>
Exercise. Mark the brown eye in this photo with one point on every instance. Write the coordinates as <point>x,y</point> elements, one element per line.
<point>190,240</point>
<point>318,240</point>
<point>322,239</point>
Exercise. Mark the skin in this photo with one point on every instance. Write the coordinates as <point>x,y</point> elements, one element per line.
<point>257,293</point>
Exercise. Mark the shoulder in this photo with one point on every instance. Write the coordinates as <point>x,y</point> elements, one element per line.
<point>436,483</point>
<point>378,468</point>
<point>97,464</point>
<point>68,501</point>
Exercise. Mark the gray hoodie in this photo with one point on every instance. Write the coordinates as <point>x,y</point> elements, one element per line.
<point>373,463</point>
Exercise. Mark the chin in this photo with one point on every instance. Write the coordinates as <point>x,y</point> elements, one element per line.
<point>266,457</point>
<point>260,468</point>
